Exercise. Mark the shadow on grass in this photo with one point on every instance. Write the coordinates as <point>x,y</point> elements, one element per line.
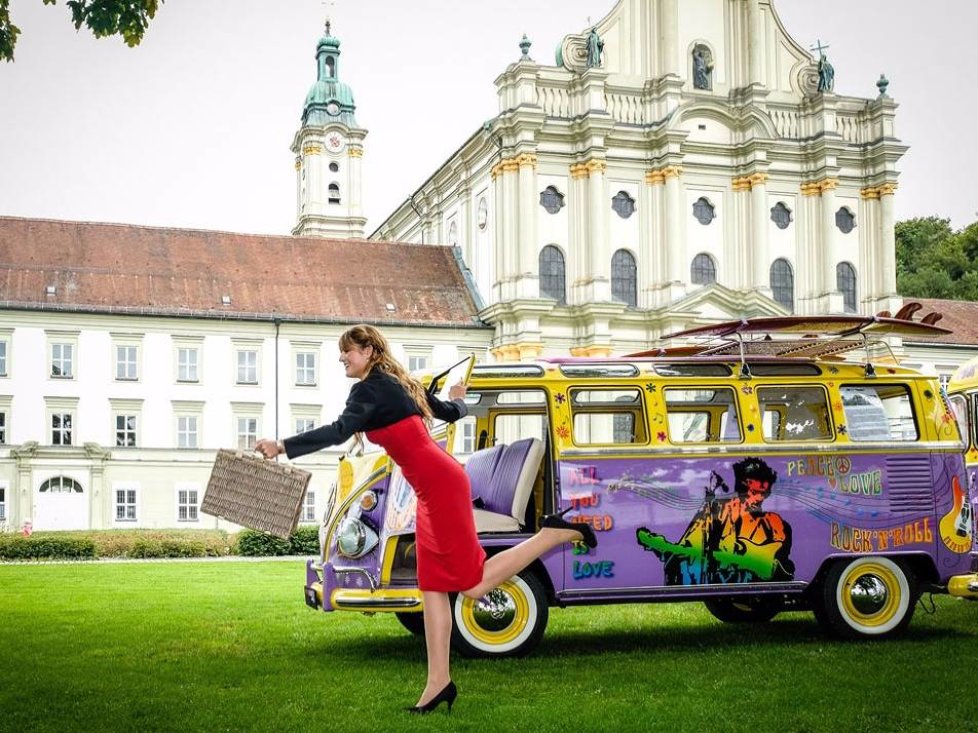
<point>689,638</point>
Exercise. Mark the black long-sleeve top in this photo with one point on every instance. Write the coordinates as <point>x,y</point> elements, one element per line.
<point>375,402</point>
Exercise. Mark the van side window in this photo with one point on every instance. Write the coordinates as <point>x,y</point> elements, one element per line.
<point>794,413</point>
<point>702,415</point>
<point>608,416</point>
<point>878,412</point>
<point>959,406</point>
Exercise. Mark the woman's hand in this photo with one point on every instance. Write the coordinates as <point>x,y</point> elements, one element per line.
<point>457,391</point>
<point>269,448</point>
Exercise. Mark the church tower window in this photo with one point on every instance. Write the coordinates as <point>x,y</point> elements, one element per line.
<point>781,215</point>
<point>845,282</point>
<point>623,204</point>
<point>551,199</point>
<point>334,167</point>
<point>552,274</point>
<point>623,278</point>
<point>845,220</point>
<point>783,284</point>
<point>334,193</point>
<point>703,270</point>
<point>704,211</point>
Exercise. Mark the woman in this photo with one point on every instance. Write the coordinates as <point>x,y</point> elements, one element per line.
<point>393,409</point>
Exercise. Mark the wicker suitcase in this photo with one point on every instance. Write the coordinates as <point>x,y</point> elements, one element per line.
<point>254,492</point>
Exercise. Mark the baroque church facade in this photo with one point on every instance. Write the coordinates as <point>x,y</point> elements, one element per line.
<point>680,162</point>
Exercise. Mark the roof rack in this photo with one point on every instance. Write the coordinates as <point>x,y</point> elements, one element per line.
<point>808,337</point>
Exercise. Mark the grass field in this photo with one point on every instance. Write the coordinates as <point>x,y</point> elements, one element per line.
<point>227,646</point>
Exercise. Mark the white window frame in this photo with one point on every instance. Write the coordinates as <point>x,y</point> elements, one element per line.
<point>309,507</point>
<point>306,375</point>
<point>417,357</point>
<point>5,403</point>
<point>3,504</point>
<point>63,351</point>
<point>246,431</point>
<point>309,413</point>
<point>6,335</point>
<point>126,408</point>
<point>303,425</point>
<point>61,406</point>
<point>188,344</point>
<point>130,498</point>
<point>126,356</point>
<point>183,410</point>
<point>246,411</point>
<point>242,348</point>
<point>187,496</point>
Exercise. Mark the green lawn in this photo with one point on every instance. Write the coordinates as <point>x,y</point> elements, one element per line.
<point>223,646</point>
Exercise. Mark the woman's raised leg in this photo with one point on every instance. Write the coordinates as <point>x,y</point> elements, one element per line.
<point>509,562</point>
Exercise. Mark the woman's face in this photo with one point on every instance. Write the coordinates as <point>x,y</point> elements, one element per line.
<point>356,360</point>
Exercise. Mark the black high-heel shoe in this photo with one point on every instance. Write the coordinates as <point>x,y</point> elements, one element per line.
<point>447,695</point>
<point>557,521</point>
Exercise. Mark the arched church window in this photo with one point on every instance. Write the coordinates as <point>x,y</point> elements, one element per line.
<point>61,485</point>
<point>623,204</point>
<point>334,193</point>
<point>845,283</point>
<point>551,199</point>
<point>704,211</point>
<point>845,220</point>
<point>781,215</point>
<point>330,67</point>
<point>703,270</point>
<point>623,278</point>
<point>334,167</point>
<point>552,274</point>
<point>783,284</point>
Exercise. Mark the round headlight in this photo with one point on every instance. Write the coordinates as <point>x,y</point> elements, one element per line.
<point>368,500</point>
<point>354,538</point>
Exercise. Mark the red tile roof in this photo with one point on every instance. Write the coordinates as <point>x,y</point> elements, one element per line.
<point>961,316</point>
<point>119,268</point>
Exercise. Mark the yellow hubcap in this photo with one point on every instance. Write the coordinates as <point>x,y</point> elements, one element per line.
<point>870,594</point>
<point>499,617</point>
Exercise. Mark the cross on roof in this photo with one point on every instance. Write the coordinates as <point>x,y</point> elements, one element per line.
<point>819,47</point>
<point>330,5</point>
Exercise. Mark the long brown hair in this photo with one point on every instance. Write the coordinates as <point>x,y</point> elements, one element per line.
<point>363,336</point>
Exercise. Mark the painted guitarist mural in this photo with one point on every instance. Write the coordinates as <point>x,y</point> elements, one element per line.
<point>731,539</point>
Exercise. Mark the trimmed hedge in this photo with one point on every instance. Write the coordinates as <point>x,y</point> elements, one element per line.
<point>155,543</point>
<point>45,545</point>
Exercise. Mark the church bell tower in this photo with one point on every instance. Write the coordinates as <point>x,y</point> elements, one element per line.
<point>328,151</point>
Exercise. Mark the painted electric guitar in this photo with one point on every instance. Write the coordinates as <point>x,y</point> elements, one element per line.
<point>956,525</point>
<point>759,560</point>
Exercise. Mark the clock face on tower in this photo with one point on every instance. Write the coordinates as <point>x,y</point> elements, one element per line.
<point>333,108</point>
<point>334,142</point>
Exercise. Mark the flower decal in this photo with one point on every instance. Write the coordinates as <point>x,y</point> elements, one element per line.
<point>833,370</point>
<point>563,431</point>
<point>750,427</point>
<point>650,388</point>
<point>661,436</point>
<point>843,430</point>
<point>560,398</point>
<point>747,389</point>
<point>837,406</point>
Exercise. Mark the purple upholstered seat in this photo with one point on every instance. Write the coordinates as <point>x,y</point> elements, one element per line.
<point>503,477</point>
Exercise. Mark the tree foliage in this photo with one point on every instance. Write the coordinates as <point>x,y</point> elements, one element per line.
<point>126,18</point>
<point>934,261</point>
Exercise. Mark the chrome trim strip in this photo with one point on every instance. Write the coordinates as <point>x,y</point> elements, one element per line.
<point>375,603</point>
<point>795,448</point>
<point>684,590</point>
<point>361,571</point>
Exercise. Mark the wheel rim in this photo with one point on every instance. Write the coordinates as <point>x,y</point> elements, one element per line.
<point>873,595</point>
<point>499,621</point>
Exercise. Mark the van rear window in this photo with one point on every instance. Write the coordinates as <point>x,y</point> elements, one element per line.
<point>878,412</point>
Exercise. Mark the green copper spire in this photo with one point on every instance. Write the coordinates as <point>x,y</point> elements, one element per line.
<point>329,99</point>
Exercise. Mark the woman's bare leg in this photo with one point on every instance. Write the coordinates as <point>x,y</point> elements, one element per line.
<point>509,562</point>
<point>437,639</point>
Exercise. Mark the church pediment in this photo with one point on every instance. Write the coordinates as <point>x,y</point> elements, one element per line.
<point>718,303</point>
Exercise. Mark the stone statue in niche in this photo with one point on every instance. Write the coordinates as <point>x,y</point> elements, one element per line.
<point>702,68</point>
<point>594,48</point>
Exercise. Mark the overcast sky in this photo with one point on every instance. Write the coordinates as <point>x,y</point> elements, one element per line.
<point>193,127</point>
